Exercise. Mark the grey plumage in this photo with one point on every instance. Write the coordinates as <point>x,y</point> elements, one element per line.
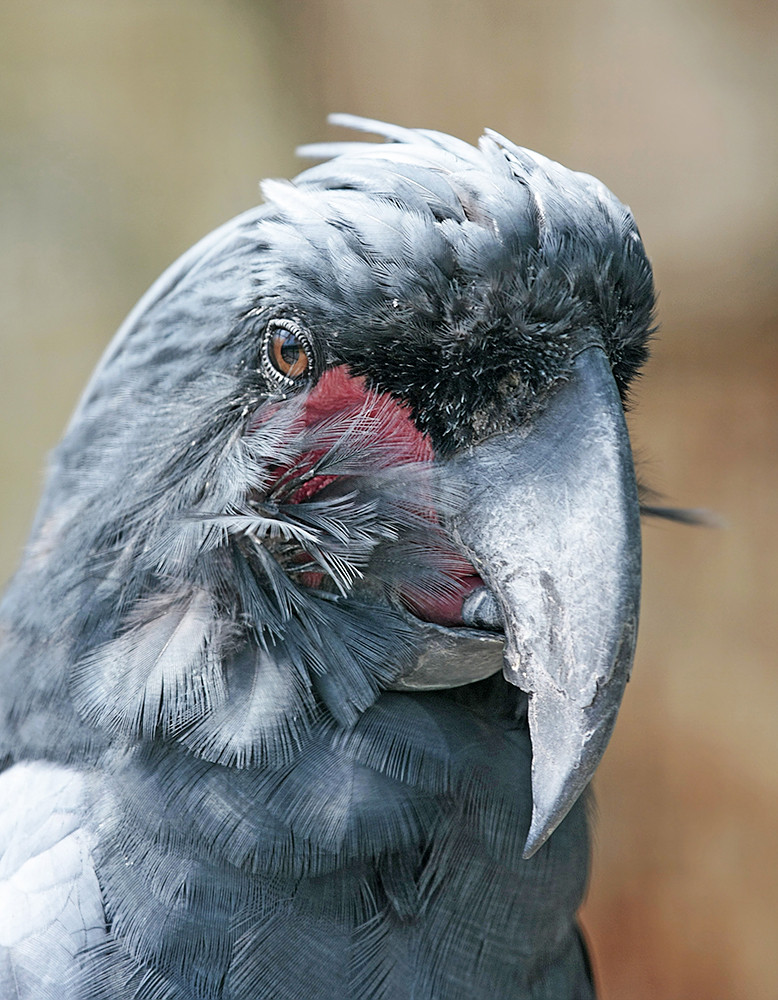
<point>224,582</point>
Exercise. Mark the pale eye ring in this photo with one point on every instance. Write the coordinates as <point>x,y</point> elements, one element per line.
<point>287,352</point>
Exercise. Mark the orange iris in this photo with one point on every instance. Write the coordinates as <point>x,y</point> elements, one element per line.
<point>288,354</point>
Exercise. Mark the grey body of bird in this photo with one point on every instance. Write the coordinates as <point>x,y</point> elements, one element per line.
<point>331,599</point>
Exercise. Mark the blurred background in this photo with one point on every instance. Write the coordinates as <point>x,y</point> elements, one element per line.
<point>129,129</point>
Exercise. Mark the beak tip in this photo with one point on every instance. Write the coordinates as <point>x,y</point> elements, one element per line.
<point>567,745</point>
<point>539,832</point>
<point>553,796</point>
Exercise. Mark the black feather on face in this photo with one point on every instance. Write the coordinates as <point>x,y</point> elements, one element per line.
<point>288,488</point>
<point>463,289</point>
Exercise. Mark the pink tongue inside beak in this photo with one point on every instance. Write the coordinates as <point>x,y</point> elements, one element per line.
<point>445,609</point>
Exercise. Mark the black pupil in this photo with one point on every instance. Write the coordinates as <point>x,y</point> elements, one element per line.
<point>290,349</point>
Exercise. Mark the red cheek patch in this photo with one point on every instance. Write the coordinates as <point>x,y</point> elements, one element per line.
<point>337,392</point>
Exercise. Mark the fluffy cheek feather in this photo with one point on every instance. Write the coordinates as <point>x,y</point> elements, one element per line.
<point>339,395</point>
<point>291,596</point>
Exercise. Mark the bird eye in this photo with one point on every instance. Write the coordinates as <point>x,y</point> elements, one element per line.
<point>287,353</point>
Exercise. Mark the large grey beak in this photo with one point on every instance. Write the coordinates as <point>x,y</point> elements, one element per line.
<point>551,522</point>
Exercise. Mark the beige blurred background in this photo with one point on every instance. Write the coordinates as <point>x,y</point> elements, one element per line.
<point>129,129</point>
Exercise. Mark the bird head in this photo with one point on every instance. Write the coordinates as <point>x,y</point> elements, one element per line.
<point>368,435</point>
